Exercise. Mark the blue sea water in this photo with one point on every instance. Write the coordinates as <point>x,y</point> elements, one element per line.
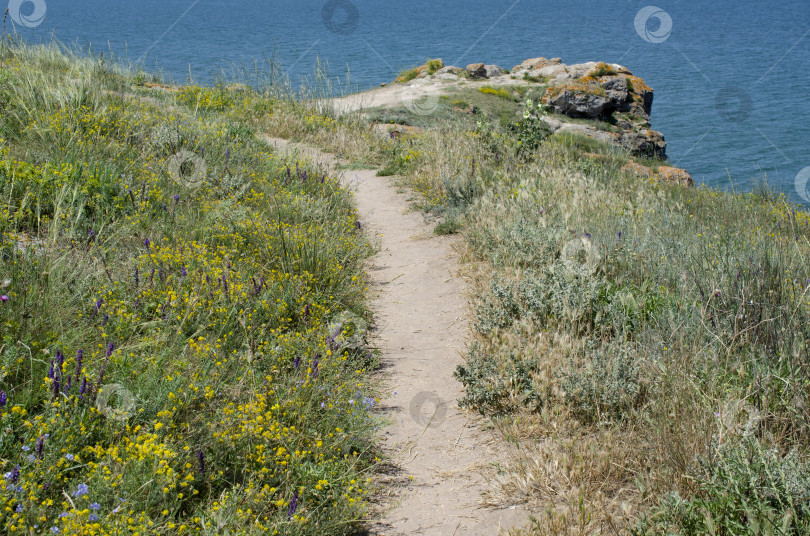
<point>731,78</point>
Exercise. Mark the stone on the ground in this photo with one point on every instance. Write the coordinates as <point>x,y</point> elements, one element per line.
<point>491,71</point>
<point>673,174</point>
<point>476,70</point>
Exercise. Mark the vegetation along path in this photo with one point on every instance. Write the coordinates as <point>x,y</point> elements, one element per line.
<point>421,316</point>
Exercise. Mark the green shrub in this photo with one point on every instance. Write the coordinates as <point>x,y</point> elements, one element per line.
<point>530,131</point>
<point>744,489</point>
<point>605,385</point>
<point>497,385</point>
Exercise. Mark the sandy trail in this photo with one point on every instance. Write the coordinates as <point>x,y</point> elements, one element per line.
<point>421,326</point>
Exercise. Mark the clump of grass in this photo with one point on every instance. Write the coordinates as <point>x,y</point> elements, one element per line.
<point>407,75</point>
<point>433,65</point>
<point>602,69</point>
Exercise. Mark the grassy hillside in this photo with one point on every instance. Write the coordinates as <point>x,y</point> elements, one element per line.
<point>182,315</point>
<point>182,351</point>
<point>643,346</point>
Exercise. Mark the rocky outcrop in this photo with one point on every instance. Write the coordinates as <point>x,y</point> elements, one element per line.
<point>644,142</point>
<point>673,174</point>
<point>664,173</point>
<point>606,92</point>
<point>610,93</point>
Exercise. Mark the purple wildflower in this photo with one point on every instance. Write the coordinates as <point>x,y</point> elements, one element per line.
<point>176,198</point>
<point>620,235</point>
<point>200,461</point>
<point>50,371</point>
<point>146,243</point>
<point>110,348</point>
<point>40,446</point>
<point>297,362</point>
<point>83,387</point>
<point>306,311</point>
<point>81,490</point>
<point>79,356</point>
<point>3,399</point>
<point>293,505</point>
<point>14,476</point>
<point>183,271</point>
<point>3,298</point>
<point>137,279</point>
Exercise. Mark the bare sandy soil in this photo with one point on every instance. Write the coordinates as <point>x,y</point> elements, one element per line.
<point>440,454</point>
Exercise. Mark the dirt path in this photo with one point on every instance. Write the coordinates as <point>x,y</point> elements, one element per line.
<point>421,317</point>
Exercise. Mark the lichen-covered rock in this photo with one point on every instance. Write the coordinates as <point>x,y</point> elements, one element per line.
<point>637,170</point>
<point>575,102</point>
<point>479,70</point>
<point>664,173</point>
<point>616,89</point>
<point>535,63</point>
<point>491,71</point>
<point>450,69</point>
<point>677,175</point>
<point>607,92</point>
<point>649,143</point>
<point>476,70</point>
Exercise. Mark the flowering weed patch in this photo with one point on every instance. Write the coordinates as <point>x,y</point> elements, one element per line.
<point>173,352</point>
